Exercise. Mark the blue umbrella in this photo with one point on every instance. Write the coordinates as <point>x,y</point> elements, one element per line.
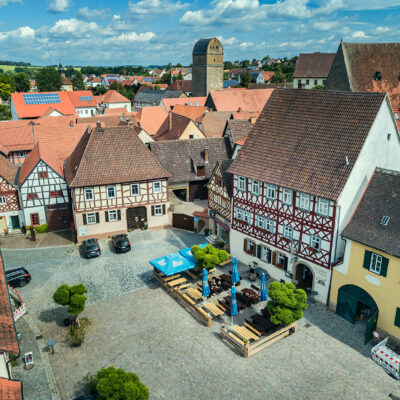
<point>234,310</point>
<point>235,271</point>
<point>206,288</point>
<point>263,294</point>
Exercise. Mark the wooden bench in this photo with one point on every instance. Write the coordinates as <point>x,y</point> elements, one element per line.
<point>171,278</point>
<point>213,309</point>
<point>203,312</point>
<point>191,274</point>
<point>177,282</point>
<point>188,299</point>
<point>236,339</point>
<point>194,294</point>
<point>185,286</point>
<point>252,328</point>
<point>221,307</point>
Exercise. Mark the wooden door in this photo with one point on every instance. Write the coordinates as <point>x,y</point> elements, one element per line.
<point>183,221</point>
<point>136,217</point>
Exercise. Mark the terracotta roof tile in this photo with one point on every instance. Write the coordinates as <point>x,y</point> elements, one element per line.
<point>112,96</point>
<point>107,119</point>
<point>10,390</point>
<point>8,336</point>
<point>14,137</point>
<point>184,86</point>
<point>239,129</point>
<point>8,171</point>
<point>267,75</point>
<point>302,137</point>
<point>192,112</point>
<point>214,123</point>
<point>111,155</point>
<point>381,198</point>
<point>313,65</point>
<point>169,104</point>
<point>173,127</point>
<point>151,118</point>
<point>115,110</point>
<point>76,101</point>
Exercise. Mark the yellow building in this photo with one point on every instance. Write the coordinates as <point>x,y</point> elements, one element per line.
<point>365,287</point>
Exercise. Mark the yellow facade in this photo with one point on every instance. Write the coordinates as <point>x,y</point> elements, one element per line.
<point>385,290</point>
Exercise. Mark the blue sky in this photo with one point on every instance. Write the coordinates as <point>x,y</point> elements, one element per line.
<point>161,31</point>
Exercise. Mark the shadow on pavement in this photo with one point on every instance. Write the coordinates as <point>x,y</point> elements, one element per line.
<point>57,314</point>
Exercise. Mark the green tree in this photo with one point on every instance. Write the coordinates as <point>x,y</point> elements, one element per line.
<point>5,90</point>
<point>179,65</point>
<point>99,90</point>
<point>48,80</point>
<point>21,81</point>
<point>318,87</point>
<point>267,57</point>
<point>116,384</point>
<point>286,303</point>
<point>5,112</point>
<point>70,72</point>
<point>119,88</point>
<point>77,81</point>
<point>245,79</point>
<point>278,77</point>
<point>73,297</point>
<point>245,63</point>
<point>208,257</point>
<point>228,65</point>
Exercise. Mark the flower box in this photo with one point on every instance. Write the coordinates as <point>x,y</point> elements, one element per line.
<point>279,266</point>
<point>286,240</point>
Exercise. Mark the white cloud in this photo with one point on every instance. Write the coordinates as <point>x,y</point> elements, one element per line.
<point>91,13</point>
<point>245,45</point>
<point>74,27</point>
<point>20,34</point>
<point>4,3</point>
<point>58,6</point>
<point>325,25</point>
<point>149,8</point>
<point>359,35</point>
<point>131,37</point>
<point>381,29</point>
<point>228,42</point>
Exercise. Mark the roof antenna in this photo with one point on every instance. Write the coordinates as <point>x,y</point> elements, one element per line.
<point>347,160</point>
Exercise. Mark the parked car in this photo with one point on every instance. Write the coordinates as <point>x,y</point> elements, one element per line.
<point>17,277</point>
<point>91,248</point>
<point>121,243</point>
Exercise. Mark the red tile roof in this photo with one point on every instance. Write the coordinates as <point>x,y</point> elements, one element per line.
<point>40,152</point>
<point>111,155</point>
<point>302,137</point>
<point>151,118</point>
<point>120,110</point>
<point>238,99</point>
<point>313,65</point>
<point>173,127</point>
<point>192,112</point>
<point>184,86</point>
<point>8,336</point>
<point>14,137</point>
<point>36,110</point>
<point>10,390</point>
<point>112,96</point>
<point>8,170</point>
<point>267,75</point>
<point>170,103</point>
<point>77,102</point>
<point>107,119</point>
<point>214,122</point>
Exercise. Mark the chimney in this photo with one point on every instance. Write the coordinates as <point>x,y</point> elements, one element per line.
<point>240,109</point>
<point>170,120</point>
<point>98,124</point>
<point>253,120</point>
<point>71,124</point>
<point>206,155</point>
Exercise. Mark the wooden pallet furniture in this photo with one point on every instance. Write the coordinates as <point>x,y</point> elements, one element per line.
<point>191,274</point>
<point>213,309</point>
<point>177,282</point>
<point>194,294</point>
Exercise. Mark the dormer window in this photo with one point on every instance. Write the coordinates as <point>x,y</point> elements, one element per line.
<point>385,220</point>
<point>201,171</point>
<point>377,75</point>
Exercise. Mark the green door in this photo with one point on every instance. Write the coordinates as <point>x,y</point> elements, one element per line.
<point>346,306</point>
<point>371,324</point>
<point>15,222</point>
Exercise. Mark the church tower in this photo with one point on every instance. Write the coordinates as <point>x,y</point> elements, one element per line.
<point>208,67</point>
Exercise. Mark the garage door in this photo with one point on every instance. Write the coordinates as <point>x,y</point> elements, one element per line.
<point>346,306</point>
<point>58,220</point>
<point>183,221</point>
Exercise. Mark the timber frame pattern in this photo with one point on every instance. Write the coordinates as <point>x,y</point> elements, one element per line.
<point>217,191</point>
<point>11,194</point>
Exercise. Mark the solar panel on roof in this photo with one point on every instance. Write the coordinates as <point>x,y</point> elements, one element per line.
<point>85,98</point>
<point>41,98</point>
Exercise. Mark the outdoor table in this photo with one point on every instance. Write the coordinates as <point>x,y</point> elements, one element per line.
<point>258,319</point>
<point>228,279</point>
<point>177,282</point>
<point>240,305</point>
<point>244,333</point>
<point>213,309</point>
<point>194,293</point>
<point>251,294</point>
<point>51,343</point>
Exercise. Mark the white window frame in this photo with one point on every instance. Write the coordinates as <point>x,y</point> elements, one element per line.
<point>264,253</point>
<point>250,246</point>
<point>91,191</point>
<point>288,232</point>
<point>243,215</point>
<point>256,187</point>
<point>108,194</point>
<point>315,242</point>
<point>304,201</point>
<point>3,200</point>
<point>375,265</point>
<point>323,207</point>
<point>269,225</point>
<point>112,215</point>
<point>137,186</point>
<point>260,221</point>
<point>281,259</point>
<point>158,209</point>
<point>271,191</point>
<point>242,183</point>
<point>215,198</point>
<point>287,196</point>
<point>155,184</point>
<point>89,216</point>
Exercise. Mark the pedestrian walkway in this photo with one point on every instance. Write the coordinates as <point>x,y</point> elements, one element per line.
<point>49,239</point>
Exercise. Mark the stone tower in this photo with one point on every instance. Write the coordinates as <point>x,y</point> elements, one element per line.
<point>208,67</point>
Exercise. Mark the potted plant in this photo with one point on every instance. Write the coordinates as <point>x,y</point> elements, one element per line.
<point>206,231</point>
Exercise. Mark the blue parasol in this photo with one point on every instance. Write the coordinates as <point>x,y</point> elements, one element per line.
<point>206,288</point>
<point>263,294</point>
<point>235,271</point>
<point>234,309</point>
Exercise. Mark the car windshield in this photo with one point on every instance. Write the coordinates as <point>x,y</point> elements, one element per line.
<point>123,242</point>
<point>92,247</point>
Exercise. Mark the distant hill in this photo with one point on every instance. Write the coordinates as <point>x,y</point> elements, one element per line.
<point>15,63</point>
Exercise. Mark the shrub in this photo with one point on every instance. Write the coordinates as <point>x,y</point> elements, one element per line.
<point>71,296</point>
<point>44,228</point>
<point>208,257</point>
<point>76,335</point>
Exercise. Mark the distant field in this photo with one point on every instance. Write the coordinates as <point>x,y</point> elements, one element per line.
<point>11,68</point>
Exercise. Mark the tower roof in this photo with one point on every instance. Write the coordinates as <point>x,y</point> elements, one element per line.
<point>201,46</point>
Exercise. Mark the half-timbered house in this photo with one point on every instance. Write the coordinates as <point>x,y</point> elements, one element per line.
<point>219,200</point>
<point>43,189</point>
<point>299,176</point>
<point>116,184</point>
<point>11,215</point>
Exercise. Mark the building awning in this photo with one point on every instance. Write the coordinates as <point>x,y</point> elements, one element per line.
<point>221,224</point>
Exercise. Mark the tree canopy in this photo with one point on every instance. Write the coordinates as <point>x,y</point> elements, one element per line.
<point>286,303</point>
<point>77,81</point>
<point>208,257</point>
<point>48,80</point>
<point>71,296</point>
<point>21,81</point>
<point>245,79</point>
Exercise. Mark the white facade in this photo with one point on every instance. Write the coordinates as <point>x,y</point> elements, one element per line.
<point>308,83</point>
<point>260,78</point>
<point>126,105</point>
<point>86,111</point>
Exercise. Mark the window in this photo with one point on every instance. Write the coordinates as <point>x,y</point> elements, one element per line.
<point>191,136</point>
<point>255,187</point>
<point>323,207</point>
<point>315,82</point>
<point>86,111</point>
<point>3,200</point>
<point>243,215</point>
<point>32,196</point>
<point>385,220</point>
<point>91,218</point>
<point>242,183</point>
<point>307,81</point>
<point>266,254</point>
<point>397,317</point>
<point>251,247</point>
<point>157,187</point>
<point>113,215</point>
<point>269,225</point>
<point>55,193</point>
<point>42,175</point>
<point>315,242</point>
<point>215,198</point>
<point>282,261</point>
<point>158,210</point>
<point>135,190</point>
<point>287,196</point>
<point>201,171</point>
<point>271,191</point>
<point>35,219</point>
<point>304,201</point>
<point>376,263</point>
<point>110,192</point>
<point>287,232</point>
<point>260,221</point>
<point>89,194</point>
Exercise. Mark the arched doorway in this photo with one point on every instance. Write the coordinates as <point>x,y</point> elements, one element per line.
<point>356,305</point>
<point>304,277</point>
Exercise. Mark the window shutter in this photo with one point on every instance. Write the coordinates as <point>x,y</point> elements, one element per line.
<point>106,215</point>
<point>285,263</point>
<point>269,256</point>
<point>384,267</point>
<point>97,218</point>
<point>119,215</point>
<point>245,245</point>
<point>152,210</point>
<point>259,251</point>
<point>397,317</point>
<point>273,258</point>
<point>163,209</point>
<point>84,219</point>
<point>254,249</point>
<point>367,259</point>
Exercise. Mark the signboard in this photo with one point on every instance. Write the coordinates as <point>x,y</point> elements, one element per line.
<point>82,231</point>
<point>196,219</point>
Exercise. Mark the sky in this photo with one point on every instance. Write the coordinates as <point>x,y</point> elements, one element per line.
<point>144,32</point>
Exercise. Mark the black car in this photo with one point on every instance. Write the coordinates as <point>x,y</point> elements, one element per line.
<point>17,277</point>
<point>91,248</point>
<point>121,243</point>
